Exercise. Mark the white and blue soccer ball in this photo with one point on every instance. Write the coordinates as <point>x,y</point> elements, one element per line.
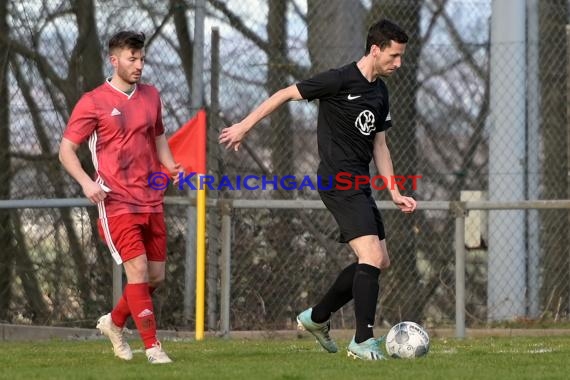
<point>407,340</point>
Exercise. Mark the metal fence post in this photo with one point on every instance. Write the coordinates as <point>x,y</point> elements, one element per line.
<point>190,261</point>
<point>214,154</point>
<point>459,212</point>
<point>568,123</point>
<point>225,270</point>
<point>117,282</point>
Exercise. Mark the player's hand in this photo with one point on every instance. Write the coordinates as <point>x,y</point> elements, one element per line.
<point>175,171</point>
<point>95,192</point>
<point>406,204</point>
<point>231,137</point>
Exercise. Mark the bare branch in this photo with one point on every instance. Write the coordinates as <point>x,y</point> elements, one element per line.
<point>460,43</point>
<point>298,12</point>
<point>291,67</point>
<point>30,54</point>
<point>435,15</point>
<point>178,8</point>
<point>32,106</point>
<point>237,23</point>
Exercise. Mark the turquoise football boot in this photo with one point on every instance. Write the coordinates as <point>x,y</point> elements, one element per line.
<point>319,330</point>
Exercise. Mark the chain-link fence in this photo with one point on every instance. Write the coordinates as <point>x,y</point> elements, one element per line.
<point>477,114</point>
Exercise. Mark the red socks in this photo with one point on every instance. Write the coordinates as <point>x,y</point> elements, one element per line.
<point>121,311</point>
<point>136,299</point>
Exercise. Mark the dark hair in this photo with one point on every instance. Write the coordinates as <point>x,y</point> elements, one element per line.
<point>383,33</point>
<point>127,39</point>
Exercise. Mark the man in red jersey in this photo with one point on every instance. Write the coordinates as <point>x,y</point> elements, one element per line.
<point>122,122</point>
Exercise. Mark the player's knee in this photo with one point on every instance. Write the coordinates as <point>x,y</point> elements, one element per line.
<point>136,270</point>
<point>155,280</point>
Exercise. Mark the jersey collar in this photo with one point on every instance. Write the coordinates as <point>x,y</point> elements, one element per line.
<point>108,81</point>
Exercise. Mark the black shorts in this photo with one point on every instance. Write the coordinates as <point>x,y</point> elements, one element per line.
<point>355,212</point>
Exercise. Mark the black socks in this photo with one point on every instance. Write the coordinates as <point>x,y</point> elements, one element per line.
<point>358,281</point>
<point>365,293</point>
<point>338,295</point>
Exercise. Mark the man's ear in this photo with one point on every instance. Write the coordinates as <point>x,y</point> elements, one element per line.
<point>114,60</point>
<point>375,50</point>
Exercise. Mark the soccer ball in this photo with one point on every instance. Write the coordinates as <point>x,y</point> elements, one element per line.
<point>407,340</point>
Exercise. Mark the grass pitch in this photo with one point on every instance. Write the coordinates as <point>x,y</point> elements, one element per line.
<point>472,358</point>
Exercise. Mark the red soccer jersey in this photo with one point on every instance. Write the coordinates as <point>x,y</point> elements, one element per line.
<point>122,131</point>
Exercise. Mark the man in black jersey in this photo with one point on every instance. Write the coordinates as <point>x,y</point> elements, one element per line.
<point>354,115</point>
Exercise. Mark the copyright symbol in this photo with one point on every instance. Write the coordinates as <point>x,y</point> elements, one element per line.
<point>158,181</point>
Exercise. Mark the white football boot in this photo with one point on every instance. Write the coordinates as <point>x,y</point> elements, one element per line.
<point>121,348</point>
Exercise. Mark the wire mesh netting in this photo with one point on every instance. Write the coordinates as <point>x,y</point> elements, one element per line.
<point>474,122</point>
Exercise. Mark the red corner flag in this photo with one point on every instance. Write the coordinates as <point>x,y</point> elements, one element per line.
<point>188,144</point>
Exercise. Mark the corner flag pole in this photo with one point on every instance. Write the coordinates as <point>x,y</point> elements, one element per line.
<point>197,101</point>
<point>200,257</point>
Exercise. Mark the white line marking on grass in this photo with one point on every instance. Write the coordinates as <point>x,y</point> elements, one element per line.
<point>531,351</point>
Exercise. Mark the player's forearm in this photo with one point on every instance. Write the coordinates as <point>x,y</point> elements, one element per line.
<point>385,167</point>
<point>271,104</point>
<point>70,162</point>
<point>164,154</point>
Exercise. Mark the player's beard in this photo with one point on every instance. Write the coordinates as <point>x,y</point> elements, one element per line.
<point>382,70</point>
<point>128,77</point>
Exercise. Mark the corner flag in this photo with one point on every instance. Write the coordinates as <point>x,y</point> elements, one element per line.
<point>188,147</point>
<point>188,144</point>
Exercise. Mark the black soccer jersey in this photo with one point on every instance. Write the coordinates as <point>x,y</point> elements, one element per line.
<point>351,111</point>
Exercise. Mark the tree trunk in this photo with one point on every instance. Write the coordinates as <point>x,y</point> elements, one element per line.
<point>25,269</point>
<point>337,33</point>
<point>6,233</point>
<point>84,74</point>
<point>281,131</point>
<point>178,8</point>
<point>86,62</point>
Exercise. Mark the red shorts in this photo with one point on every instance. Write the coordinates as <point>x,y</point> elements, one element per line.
<point>132,235</point>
